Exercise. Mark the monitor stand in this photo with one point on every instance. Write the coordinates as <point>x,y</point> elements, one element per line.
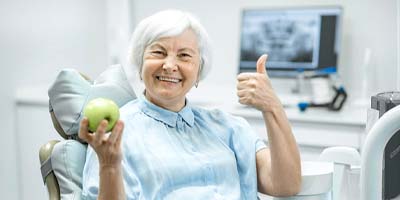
<point>290,92</point>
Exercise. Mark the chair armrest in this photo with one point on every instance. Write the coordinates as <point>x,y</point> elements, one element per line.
<point>49,179</point>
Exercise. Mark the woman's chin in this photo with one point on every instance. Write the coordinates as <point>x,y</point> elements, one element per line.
<point>167,95</point>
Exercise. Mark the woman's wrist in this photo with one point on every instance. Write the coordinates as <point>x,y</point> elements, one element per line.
<point>110,168</point>
<point>273,108</point>
<point>111,182</point>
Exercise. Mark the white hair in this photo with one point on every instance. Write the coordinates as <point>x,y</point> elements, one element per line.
<point>166,23</point>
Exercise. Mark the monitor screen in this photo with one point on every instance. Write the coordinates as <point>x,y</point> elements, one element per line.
<point>294,39</point>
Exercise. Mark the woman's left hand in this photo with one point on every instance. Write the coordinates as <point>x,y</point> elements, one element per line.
<point>255,89</point>
<point>278,167</point>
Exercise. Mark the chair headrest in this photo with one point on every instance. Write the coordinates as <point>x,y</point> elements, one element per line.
<point>70,93</point>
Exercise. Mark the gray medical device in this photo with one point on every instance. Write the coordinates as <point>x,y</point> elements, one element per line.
<point>383,102</point>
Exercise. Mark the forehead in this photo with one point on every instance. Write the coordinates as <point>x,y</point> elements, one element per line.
<point>186,40</point>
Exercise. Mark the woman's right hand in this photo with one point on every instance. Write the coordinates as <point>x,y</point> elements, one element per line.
<point>106,146</point>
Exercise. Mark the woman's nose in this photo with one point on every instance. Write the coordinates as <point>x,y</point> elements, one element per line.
<point>170,64</point>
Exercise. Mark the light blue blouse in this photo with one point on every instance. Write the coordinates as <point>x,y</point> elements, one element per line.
<point>193,154</point>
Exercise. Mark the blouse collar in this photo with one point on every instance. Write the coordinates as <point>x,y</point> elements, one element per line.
<point>164,115</point>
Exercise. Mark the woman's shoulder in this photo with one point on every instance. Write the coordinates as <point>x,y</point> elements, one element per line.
<point>217,115</point>
<point>208,112</point>
<point>129,108</point>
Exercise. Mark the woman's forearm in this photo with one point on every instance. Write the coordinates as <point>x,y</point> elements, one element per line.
<point>111,183</point>
<point>285,157</point>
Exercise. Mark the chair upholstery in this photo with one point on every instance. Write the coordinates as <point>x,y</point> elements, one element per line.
<point>50,179</point>
<point>62,161</point>
<point>67,159</point>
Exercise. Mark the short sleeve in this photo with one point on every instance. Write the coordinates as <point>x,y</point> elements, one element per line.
<point>90,179</point>
<point>244,143</point>
<point>260,144</point>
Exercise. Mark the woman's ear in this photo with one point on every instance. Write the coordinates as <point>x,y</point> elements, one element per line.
<point>196,84</point>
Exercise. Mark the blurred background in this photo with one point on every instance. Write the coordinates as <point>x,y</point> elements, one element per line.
<point>40,37</point>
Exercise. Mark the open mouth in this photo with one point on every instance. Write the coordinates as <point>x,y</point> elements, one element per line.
<point>168,79</point>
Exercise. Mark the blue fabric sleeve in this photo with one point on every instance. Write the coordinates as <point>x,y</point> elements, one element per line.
<point>244,142</point>
<point>90,179</point>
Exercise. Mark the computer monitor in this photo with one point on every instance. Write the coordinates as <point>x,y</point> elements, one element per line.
<point>295,39</point>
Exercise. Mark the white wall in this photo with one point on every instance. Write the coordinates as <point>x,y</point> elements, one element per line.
<point>367,24</point>
<point>37,38</point>
<point>8,171</point>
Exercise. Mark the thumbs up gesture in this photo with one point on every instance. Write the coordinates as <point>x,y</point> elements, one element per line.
<point>254,89</point>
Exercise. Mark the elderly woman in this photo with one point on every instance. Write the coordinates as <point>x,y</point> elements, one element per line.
<point>165,148</point>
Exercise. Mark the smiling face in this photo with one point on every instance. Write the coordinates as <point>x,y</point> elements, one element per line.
<point>170,69</point>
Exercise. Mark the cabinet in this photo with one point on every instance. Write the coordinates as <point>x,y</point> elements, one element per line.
<point>316,128</point>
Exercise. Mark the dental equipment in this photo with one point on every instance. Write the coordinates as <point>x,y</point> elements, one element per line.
<point>380,164</point>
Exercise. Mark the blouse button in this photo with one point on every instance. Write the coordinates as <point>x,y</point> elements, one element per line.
<point>179,123</point>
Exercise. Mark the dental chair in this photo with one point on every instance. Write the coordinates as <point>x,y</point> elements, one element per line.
<point>62,161</point>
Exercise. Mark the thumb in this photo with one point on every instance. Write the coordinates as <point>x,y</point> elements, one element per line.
<point>261,64</point>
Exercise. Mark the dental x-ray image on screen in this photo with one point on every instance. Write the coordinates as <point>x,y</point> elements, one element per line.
<point>293,38</point>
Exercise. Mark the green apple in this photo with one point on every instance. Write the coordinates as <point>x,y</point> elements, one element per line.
<point>101,108</point>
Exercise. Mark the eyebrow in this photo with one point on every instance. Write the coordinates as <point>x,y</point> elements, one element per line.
<point>188,49</point>
<point>158,45</point>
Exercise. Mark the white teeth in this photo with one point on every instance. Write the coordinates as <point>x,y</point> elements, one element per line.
<point>174,80</point>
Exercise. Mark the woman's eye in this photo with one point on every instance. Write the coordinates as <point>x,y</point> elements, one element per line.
<point>185,55</point>
<point>157,53</point>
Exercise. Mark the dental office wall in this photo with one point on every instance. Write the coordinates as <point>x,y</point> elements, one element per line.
<point>39,37</point>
